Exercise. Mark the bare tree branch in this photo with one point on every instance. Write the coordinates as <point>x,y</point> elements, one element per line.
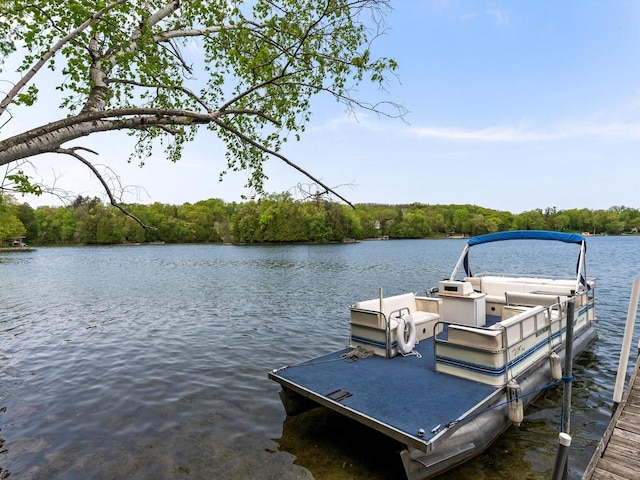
<point>112,199</point>
<point>202,32</point>
<point>160,86</point>
<point>23,145</point>
<point>283,158</point>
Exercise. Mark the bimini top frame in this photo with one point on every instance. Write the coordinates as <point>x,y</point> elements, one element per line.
<point>581,282</point>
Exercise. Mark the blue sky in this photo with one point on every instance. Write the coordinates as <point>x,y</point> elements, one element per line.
<point>512,106</point>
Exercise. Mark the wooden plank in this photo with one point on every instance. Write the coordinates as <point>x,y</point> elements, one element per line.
<point>626,437</point>
<point>632,408</point>
<point>626,452</point>
<point>620,444</point>
<point>615,464</point>
<point>629,421</point>
<point>600,474</point>
<point>617,456</point>
<point>634,396</point>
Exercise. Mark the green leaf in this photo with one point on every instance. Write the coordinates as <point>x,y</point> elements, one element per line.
<point>22,183</point>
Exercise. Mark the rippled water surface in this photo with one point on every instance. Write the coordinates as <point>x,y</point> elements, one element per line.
<point>152,361</point>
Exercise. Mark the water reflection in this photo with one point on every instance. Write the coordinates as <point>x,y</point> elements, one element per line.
<point>3,473</point>
<point>332,446</point>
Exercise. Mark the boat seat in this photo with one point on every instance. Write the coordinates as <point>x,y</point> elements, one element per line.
<point>368,320</point>
<point>533,299</point>
<point>425,312</point>
<point>496,287</point>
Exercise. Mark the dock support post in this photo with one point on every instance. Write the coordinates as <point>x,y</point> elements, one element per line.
<point>564,442</point>
<point>626,343</point>
<point>568,369</point>
<point>560,468</point>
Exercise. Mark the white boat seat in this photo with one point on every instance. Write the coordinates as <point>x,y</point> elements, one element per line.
<point>496,287</point>
<point>533,299</point>
<point>425,312</point>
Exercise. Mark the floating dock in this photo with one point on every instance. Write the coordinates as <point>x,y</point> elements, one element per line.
<point>618,454</point>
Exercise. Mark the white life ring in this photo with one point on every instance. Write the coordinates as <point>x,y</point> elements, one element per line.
<point>406,345</point>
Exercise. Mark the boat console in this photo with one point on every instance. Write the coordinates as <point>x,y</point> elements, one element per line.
<point>461,303</point>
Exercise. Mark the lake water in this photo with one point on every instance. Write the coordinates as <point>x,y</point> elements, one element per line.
<point>150,362</point>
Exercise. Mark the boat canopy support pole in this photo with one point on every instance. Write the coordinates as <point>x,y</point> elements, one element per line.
<point>582,269</point>
<point>464,253</point>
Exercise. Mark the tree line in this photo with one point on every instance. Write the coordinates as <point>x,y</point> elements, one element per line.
<point>281,218</point>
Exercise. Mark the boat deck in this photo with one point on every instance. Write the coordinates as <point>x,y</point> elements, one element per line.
<point>617,456</point>
<point>398,396</point>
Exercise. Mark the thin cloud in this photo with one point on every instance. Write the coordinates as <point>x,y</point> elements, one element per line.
<point>501,17</point>
<point>518,133</point>
<point>511,134</point>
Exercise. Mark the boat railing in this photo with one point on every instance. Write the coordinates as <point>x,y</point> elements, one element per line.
<point>494,354</point>
<point>548,323</point>
<point>380,318</point>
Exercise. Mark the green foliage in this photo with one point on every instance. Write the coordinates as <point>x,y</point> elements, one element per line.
<point>10,227</point>
<point>28,98</point>
<point>280,218</point>
<point>21,182</point>
<point>159,69</point>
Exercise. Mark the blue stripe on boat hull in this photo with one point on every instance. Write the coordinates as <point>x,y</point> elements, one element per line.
<point>496,372</point>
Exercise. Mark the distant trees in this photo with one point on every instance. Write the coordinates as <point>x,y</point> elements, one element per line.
<point>281,218</point>
<point>278,218</point>
<point>11,227</point>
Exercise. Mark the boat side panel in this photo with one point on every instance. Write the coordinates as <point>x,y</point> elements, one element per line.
<point>480,354</point>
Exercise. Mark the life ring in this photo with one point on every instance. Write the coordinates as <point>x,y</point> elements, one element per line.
<point>406,345</point>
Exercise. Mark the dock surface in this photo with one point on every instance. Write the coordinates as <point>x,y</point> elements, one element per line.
<point>618,454</point>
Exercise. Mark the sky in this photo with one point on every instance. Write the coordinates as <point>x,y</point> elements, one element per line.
<point>512,105</point>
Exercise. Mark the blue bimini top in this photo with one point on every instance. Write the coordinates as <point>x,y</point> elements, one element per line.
<point>527,235</point>
<point>574,238</point>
